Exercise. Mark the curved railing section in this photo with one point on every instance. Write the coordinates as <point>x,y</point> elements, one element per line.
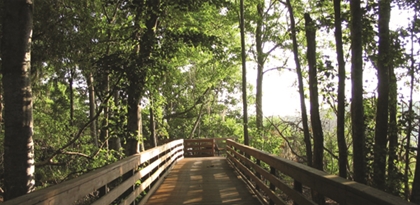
<point>119,183</point>
<point>272,179</point>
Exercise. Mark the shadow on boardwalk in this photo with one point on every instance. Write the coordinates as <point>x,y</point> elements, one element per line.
<point>207,181</point>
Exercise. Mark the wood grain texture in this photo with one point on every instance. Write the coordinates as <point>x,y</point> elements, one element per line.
<point>207,180</point>
<point>337,188</point>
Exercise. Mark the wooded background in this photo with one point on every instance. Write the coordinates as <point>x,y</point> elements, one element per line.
<point>85,83</point>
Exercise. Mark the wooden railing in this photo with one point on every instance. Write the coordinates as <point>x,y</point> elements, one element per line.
<point>119,183</point>
<point>271,177</point>
<point>199,147</point>
<point>207,147</point>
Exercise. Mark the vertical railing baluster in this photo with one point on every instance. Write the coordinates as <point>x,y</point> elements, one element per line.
<point>258,162</point>
<point>272,186</point>
<point>297,186</point>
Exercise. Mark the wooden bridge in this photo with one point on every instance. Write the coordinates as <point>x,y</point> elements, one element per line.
<point>179,173</point>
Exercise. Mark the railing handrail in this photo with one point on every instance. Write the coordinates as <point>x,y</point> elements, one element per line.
<point>339,189</point>
<point>75,189</point>
<point>199,147</point>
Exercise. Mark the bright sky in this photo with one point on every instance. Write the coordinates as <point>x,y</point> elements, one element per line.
<point>280,94</point>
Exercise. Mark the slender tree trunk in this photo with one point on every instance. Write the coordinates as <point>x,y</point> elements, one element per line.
<point>300,82</point>
<point>104,135</point>
<point>313,91</point>
<point>341,110</point>
<point>357,112</point>
<point>152,127</point>
<point>415,194</point>
<point>16,56</point>
<point>71,96</point>
<point>260,66</point>
<point>1,109</point>
<point>393,185</point>
<point>115,141</point>
<point>243,55</point>
<point>381,129</point>
<point>313,97</point>
<point>92,108</point>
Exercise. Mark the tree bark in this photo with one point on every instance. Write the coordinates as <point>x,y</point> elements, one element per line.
<point>138,76</point>
<point>300,82</point>
<point>260,67</point>
<point>341,105</point>
<point>152,127</point>
<point>313,97</point>
<point>393,185</point>
<point>313,91</point>
<point>92,108</point>
<point>16,56</point>
<point>381,129</point>
<point>133,121</point>
<point>115,141</point>
<point>71,94</point>
<point>415,193</point>
<point>357,111</point>
<point>244,87</point>
<point>104,134</point>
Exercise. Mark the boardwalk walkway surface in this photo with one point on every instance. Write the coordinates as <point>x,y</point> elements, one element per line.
<point>207,180</point>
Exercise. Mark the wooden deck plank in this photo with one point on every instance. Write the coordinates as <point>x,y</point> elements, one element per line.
<point>206,180</point>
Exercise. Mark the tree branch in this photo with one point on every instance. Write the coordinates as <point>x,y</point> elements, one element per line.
<point>189,109</point>
<point>48,160</point>
<point>285,138</point>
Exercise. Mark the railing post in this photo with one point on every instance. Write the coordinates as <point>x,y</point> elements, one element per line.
<point>272,186</point>
<point>258,162</point>
<point>213,148</point>
<point>131,189</point>
<point>298,187</point>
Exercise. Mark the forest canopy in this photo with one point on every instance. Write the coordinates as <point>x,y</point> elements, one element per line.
<point>86,83</point>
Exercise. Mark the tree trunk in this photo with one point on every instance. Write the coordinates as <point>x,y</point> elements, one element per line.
<point>152,127</point>
<point>138,77</point>
<point>133,122</point>
<point>115,141</point>
<point>71,94</point>
<point>415,194</point>
<point>104,134</point>
<point>393,185</point>
<point>260,67</point>
<point>341,105</point>
<point>92,108</point>
<point>244,87</point>
<point>381,129</point>
<point>16,56</point>
<point>357,112</point>
<point>313,91</point>
<point>300,82</point>
<point>313,97</point>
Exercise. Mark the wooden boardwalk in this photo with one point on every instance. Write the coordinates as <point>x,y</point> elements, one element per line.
<point>206,180</point>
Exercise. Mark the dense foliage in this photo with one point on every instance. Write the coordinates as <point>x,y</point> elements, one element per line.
<point>110,78</point>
